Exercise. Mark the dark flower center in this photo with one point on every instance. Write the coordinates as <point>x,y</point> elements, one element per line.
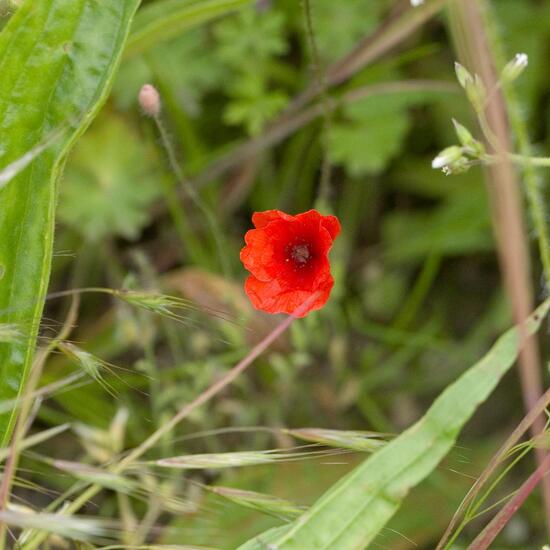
<point>299,254</point>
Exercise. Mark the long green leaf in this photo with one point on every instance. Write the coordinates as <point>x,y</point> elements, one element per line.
<point>168,18</point>
<point>353,512</point>
<point>57,59</point>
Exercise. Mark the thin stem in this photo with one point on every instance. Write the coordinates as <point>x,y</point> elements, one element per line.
<point>190,191</point>
<point>543,162</point>
<point>472,512</point>
<point>322,83</point>
<point>285,126</point>
<point>75,291</point>
<point>497,458</point>
<point>205,396</point>
<point>521,160</point>
<point>488,535</point>
<point>519,126</point>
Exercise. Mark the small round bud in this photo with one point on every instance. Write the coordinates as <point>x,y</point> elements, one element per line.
<point>415,3</point>
<point>149,99</point>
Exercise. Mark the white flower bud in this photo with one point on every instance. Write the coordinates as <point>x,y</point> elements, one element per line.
<point>515,67</point>
<point>416,3</point>
<point>447,156</point>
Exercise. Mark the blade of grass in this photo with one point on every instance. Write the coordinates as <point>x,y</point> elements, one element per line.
<point>488,535</point>
<point>36,439</point>
<point>497,458</point>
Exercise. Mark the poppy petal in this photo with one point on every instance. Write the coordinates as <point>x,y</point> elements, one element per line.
<point>257,255</point>
<point>261,219</point>
<point>271,298</point>
<point>332,225</point>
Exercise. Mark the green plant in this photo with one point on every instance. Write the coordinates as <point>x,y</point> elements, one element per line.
<point>144,403</point>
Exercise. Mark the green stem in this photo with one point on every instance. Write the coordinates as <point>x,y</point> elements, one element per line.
<point>534,195</point>
<point>322,83</point>
<point>526,161</point>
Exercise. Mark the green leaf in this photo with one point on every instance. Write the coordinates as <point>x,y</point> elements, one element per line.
<point>164,20</point>
<point>460,225</point>
<point>352,513</point>
<point>372,131</point>
<point>253,105</point>
<point>252,36</point>
<point>57,59</point>
<point>107,188</point>
<point>339,26</point>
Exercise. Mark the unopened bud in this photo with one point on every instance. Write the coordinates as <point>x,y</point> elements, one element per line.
<point>470,144</point>
<point>463,134</point>
<point>447,157</point>
<point>463,76</point>
<point>476,93</point>
<point>149,99</point>
<point>515,67</point>
<point>416,3</point>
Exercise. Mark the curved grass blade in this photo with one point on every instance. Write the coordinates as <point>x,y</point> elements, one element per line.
<point>163,20</point>
<point>74,528</point>
<point>352,513</point>
<point>57,59</point>
<point>267,504</point>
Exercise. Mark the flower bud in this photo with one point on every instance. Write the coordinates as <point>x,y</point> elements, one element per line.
<point>471,146</point>
<point>515,67</point>
<point>464,135</point>
<point>463,76</point>
<point>477,93</point>
<point>416,3</point>
<point>149,99</point>
<point>447,157</point>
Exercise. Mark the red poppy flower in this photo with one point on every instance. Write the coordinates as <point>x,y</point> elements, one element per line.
<point>287,257</point>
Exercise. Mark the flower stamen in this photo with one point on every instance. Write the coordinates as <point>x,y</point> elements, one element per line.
<point>300,254</point>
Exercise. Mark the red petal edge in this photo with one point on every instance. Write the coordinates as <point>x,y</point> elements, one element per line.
<point>261,219</point>
<point>269,297</point>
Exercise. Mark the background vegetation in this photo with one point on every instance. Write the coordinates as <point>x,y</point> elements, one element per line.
<point>418,299</point>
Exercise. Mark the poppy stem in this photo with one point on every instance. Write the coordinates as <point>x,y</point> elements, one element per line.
<point>322,84</point>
